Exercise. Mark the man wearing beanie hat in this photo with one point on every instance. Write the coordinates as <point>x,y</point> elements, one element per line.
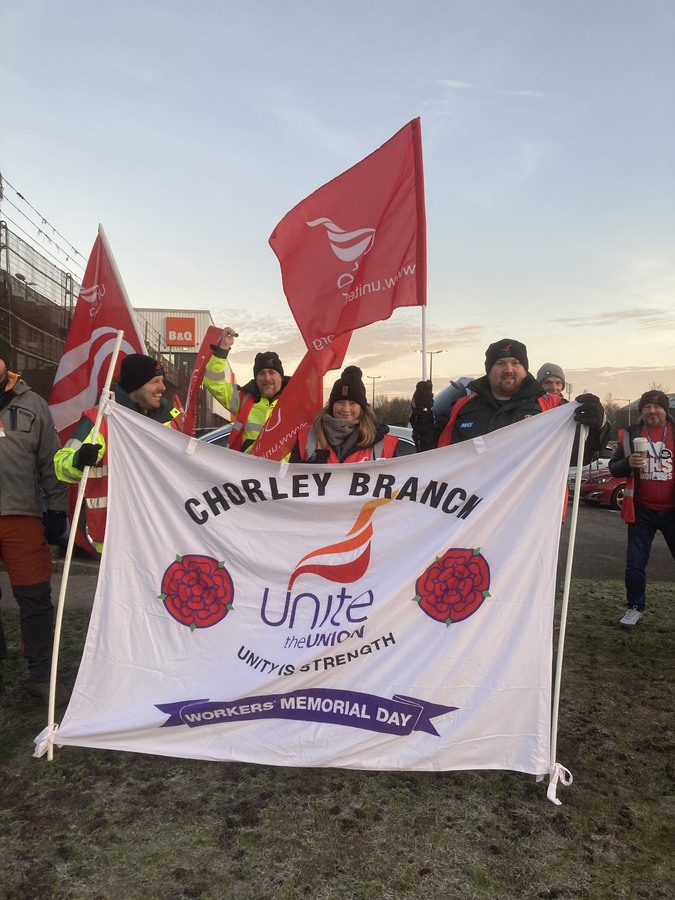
<point>140,387</point>
<point>136,371</point>
<point>251,405</point>
<point>345,430</point>
<point>649,495</point>
<point>551,378</point>
<point>507,393</point>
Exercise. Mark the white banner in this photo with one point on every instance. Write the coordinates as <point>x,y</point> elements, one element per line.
<point>390,615</point>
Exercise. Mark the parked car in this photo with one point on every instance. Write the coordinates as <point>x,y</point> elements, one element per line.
<point>601,462</point>
<point>406,445</point>
<point>217,436</point>
<point>600,487</point>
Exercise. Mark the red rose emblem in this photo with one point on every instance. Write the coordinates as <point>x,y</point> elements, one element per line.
<point>454,585</point>
<point>197,591</point>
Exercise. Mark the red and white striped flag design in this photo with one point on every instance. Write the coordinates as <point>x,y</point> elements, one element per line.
<point>101,311</point>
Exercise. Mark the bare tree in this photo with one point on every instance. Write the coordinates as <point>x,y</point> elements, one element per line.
<point>612,407</point>
<point>393,411</point>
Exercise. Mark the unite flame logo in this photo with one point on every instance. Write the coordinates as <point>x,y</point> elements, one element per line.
<point>345,561</point>
<point>274,420</point>
<point>93,295</point>
<point>348,246</point>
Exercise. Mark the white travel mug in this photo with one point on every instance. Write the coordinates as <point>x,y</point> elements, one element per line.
<point>641,446</point>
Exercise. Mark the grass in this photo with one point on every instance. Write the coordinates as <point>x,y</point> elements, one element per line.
<point>101,824</point>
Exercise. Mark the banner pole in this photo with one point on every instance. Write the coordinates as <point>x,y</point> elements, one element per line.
<point>583,433</point>
<point>71,542</point>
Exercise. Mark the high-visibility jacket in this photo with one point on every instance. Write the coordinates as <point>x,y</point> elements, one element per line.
<point>96,490</point>
<point>626,444</point>
<point>384,448</point>
<point>248,408</point>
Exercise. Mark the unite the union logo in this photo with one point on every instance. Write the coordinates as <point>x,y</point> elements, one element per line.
<point>93,295</point>
<point>348,246</point>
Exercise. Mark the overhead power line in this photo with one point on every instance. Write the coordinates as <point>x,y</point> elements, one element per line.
<point>69,253</point>
<point>42,250</point>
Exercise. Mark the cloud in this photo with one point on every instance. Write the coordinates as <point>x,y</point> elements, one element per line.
<point>529,157</point>
<point>528,93</point>
<point>120,65</point>
<point>455,85</point>
<point>310,128</point>
<point>387,342</point>
<point>642,318</point>
<point>624,383</point>
<point>259,331</point>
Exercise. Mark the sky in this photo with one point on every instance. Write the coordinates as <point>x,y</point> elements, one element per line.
<point>189,130</point>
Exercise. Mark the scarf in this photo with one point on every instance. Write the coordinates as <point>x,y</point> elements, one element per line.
<point>341,434</point>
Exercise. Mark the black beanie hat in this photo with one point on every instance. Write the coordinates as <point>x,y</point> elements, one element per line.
<point>503,349</point>
<point>267,360</point>
<point>349,386</point>
<point>658,398</point>
<point>137,370</point>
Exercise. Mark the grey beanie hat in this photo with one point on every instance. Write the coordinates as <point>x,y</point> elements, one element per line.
<point>550,369</point>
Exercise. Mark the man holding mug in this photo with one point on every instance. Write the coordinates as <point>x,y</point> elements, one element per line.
<point>645,458</point>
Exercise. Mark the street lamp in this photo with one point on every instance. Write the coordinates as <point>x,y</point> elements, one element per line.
<point>431,354</point>
<point>373,378</point>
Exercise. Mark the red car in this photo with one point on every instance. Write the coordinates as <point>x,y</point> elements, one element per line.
<point>599,486</point>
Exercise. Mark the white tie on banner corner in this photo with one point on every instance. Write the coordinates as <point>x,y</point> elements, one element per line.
<point>387,615</point>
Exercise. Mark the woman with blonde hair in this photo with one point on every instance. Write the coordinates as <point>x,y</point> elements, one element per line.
<point>345,430</point>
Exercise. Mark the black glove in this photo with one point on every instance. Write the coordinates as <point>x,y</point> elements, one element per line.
<point>86,456</point>
<point>423,398</point>
<point>55,522</point>
<point>590,411</point>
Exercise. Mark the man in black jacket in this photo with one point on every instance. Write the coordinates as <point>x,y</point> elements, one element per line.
<point>507,393</point>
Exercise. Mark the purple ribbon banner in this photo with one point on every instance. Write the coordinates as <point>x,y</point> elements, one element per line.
<point>399,716</point>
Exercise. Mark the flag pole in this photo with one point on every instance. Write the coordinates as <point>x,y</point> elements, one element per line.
<point>554,771</point>
<point>424,342</point>
<point>71,542</point>
<point>123,290</point>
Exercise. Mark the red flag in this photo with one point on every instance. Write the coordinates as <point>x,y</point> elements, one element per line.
<point>212,336</point>
<point>355,249</point>
<point>295,409</point>
<point>101,311</point>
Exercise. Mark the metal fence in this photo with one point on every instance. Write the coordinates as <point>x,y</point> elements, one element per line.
<point>29,266</point>
<point>36,306</point>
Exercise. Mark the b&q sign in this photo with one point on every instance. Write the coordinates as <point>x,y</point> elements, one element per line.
<point>180,332</point>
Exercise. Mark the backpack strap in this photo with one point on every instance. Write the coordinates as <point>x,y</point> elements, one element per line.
<point>446,435</point>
